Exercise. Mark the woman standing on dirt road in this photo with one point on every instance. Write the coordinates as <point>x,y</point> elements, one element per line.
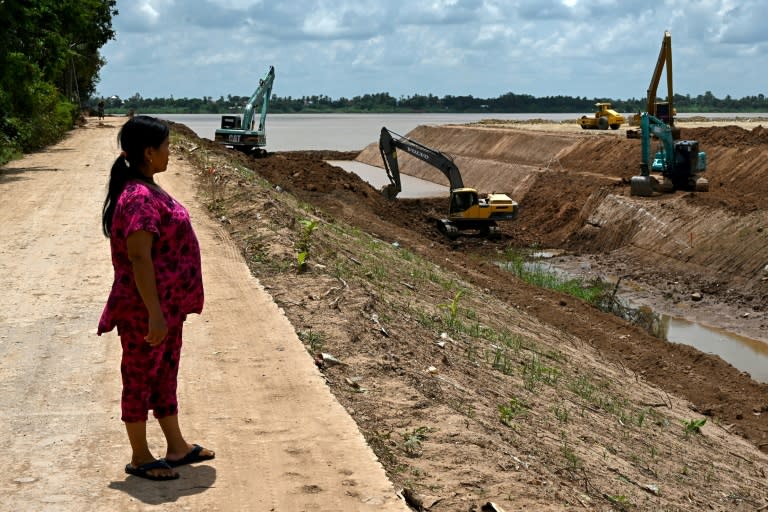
<point>157,283</point>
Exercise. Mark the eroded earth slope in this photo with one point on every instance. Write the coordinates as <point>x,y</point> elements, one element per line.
<point>473,386</point>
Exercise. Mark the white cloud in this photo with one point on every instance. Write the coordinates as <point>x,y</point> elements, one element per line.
<point>321,24</point>
<point>149,12</point>
<point>237,4</point>
<point>593,48</point>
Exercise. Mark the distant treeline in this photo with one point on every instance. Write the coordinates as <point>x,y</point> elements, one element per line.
<point>385,103</point>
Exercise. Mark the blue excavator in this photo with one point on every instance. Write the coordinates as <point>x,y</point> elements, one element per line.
<point>241,133</point>
<point>468,211</point>
<point>678,164</point>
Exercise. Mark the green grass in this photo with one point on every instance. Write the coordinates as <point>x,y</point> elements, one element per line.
<point>517,262</point>
<point>599,293</point>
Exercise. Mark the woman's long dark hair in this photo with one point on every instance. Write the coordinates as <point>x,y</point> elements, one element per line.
<point>135,136</point>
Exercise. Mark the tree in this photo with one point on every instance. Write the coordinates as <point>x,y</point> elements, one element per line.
<point>49,56</point>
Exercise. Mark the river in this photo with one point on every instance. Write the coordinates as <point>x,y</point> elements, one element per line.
<point>353,132</point>
<point>340,132</point>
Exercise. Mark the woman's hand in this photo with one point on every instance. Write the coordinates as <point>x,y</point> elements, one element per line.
<point>158,330</point>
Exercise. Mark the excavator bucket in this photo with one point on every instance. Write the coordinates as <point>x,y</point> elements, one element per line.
<point>389,191</point>
<point>642,186</point>
<point>701,185</point>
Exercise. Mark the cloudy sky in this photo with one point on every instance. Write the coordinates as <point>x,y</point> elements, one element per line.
<point>483,48</point>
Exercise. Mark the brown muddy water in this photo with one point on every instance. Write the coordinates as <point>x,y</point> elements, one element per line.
<point>742,352</point>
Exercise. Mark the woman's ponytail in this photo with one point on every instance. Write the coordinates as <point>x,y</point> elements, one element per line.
<point>135,136</point>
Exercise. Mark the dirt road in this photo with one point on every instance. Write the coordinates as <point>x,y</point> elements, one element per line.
<point>248,389</point>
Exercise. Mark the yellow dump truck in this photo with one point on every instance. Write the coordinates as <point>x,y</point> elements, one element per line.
<point>604,118</point>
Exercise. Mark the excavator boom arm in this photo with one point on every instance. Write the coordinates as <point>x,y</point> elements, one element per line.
<point>261,95</point>
<point>665,59</point>
<point>390,141</point>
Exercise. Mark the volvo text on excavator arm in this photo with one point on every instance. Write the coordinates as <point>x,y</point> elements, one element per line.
<point>388,147</point>
<point>239,133</point>
<point>467,210</point>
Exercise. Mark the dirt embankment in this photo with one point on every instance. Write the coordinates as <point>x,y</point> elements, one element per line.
<point>528,398</point>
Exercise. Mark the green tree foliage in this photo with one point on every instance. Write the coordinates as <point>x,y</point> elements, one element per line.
<point>49,57</point>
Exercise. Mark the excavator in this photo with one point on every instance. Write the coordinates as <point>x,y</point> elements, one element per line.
<point>468,211</point>
<point>239,133</point>
<point>679,162</point>
<point>663,110</point>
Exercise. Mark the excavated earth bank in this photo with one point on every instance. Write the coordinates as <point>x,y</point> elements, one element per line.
<point>573,192</point>
<point>473,386</point>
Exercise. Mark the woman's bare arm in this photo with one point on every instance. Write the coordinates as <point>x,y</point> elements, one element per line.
<point>140,254</point>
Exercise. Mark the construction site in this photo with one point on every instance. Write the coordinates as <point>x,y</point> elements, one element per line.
<point>352,356</point>
<point>362,350</point>
<point>471,385</point>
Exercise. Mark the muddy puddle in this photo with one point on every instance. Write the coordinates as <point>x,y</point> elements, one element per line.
<point>742,352</point>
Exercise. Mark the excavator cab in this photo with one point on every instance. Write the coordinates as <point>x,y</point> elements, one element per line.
<point>462,200</point>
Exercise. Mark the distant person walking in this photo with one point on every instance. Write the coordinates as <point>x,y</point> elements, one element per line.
<point>157,283</point>
<point>100,109</point>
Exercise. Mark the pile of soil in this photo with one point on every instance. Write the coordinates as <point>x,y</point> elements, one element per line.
<point>574,195</point>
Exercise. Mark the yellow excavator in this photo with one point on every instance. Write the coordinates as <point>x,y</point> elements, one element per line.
<point>661,110</point>
<point>468,211</point>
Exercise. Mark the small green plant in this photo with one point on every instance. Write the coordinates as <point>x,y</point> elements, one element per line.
<point>693,426</point>
<point>507,413</point>
<point>561,412</point>
<point>453,309</point>
<point>301,260</point>
<point>502,362</point>
<point>535,372</point>
<point>305,243</point>
<point>413,439</point>
<point>640,418</point>
<point>313,340</point>
<point>619,500</point>
<point>657,418</point>
<point>472,353</point>
<point>573,460</point>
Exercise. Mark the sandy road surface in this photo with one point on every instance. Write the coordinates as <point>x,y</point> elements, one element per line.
<point>248,389</point>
